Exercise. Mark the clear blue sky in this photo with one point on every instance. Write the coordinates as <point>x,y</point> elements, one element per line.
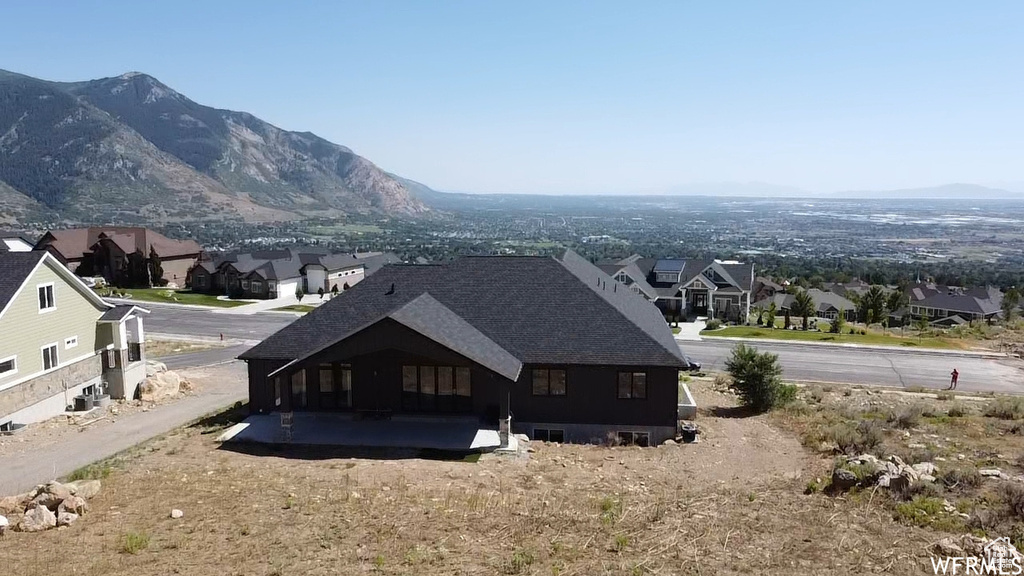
<point>571,97</point>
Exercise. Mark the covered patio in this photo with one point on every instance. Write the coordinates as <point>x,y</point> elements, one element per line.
<point>339,429</point>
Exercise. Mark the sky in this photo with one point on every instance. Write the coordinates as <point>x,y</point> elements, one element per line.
<point>571,97</point>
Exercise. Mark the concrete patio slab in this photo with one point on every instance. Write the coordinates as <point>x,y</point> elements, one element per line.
<point>320,429</point>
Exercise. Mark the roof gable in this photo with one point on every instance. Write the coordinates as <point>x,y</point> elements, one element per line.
<point>17,269</point>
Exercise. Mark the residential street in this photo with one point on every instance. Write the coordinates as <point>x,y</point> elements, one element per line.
<point>21,471</point>
<point>898,368</point>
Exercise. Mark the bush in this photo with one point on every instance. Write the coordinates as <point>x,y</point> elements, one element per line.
<point>1013,496</point>
<point>964,477</point>
<point>134,542</point>
<point>863,438</point>
<point>757,378</point>
<point>957,411</point>
<point>906,418</point>
<point>1007,408</point>
<point>713,325</point>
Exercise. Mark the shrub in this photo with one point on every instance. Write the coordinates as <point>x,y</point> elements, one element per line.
<point>133,542</point>
<point>862,438</point>
<point>1007,408</point>
<point>1013,496</point>
<point>90,472</point>
<point>945,396</point>
<point>713,325</point>
<point>757,378</point>
<point>957,411</point>
<point>906,418</point>
<point>919,511</point>
<point>963,477</point>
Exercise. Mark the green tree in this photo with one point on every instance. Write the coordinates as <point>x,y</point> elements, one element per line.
<point>839,322</point>
<point>803,305</point>
<point>759,314</point>
<point>156,269</point>
<point>299,293</point>
<point>921,325</point>
<point>788,322</point>
<point>874,304</point>
<point>772,311</point>
<point>1010,302</point>
<point>896,300</point>
<point>757,378</point>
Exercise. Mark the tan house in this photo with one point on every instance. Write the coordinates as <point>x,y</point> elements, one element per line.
<point>115,252</point>
<point>60,343</point>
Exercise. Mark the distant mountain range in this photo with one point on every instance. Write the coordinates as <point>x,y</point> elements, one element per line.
<point>130,148</point>
<point>763,190</point>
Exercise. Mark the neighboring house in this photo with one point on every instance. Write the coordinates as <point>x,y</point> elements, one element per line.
<point>58,339</point>
<point>715,288</point>
<point>853,288</point>
<point>121,254</point>
<point>827,304</point>
<point>15,244</point>
<point>951,305</point>
<point>765,288</point>
<point>553,345</point>
<point>271,274</point>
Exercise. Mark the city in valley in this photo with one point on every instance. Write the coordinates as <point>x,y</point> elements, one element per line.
<point>734,290</point>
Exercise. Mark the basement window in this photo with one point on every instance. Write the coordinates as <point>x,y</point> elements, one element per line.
<point>9,366</point>
<point>549,435</point>
<point>628,438</point>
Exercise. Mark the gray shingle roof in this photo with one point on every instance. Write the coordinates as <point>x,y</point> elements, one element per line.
<point>540,310</point>
<point>15,268</point>
<point>960,303</point>
<point>119,312</point>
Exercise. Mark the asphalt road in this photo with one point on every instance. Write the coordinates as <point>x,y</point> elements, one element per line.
<point>801,362</point>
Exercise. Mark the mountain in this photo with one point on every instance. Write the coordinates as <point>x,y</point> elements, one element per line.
<point>130,148</point>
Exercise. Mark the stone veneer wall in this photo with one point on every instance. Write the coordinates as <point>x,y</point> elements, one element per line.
<point>50,384</point>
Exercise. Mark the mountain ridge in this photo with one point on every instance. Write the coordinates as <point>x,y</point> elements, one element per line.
<point>131,148</point>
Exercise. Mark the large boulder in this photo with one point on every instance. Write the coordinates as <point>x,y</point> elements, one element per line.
<point>843,479</point>
<point>924,468</point>
<point>87,489</point>
<point>154,367</point>
<point>66,518</point>
<point>73,504</point>
<point>160,385</point>
<point>37,519</point>
<point>51,495</point>
<point>14,505</point>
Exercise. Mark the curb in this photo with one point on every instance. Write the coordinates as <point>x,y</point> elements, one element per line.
<point>227,342</point>
<point>866,348</point>
<point>148,303</point>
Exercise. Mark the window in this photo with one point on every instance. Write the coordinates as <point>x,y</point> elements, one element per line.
<point>548,435</point>
<point>50,356</point>
<point>257,286</point>
<point>547,382</point>
<point>299,389</point>
<point>46,302</point>
<point>70,342</point>
<point>8,366</point>
<point>278,386</point>
<point>633,438</point>
<point>440,388</point>
<point>200,281</point>
<point>668,277</point>
<point>632,385</point>
<point>134,352</point>
<point>335,386</point>
<point>245,284</point>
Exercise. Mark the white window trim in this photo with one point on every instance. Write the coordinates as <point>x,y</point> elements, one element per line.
<point>9,372</point>
<point>53,292</point>
<point>28,377</point>
<point>70,342</point>
<point>56,350</point>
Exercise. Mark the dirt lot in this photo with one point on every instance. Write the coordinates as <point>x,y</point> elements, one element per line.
<point>732,504</point>
<point>157,349</point>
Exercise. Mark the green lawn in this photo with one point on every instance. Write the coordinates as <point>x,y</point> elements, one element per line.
<point>177,297</point>
<point>871,338</point>
<point>296,308</point>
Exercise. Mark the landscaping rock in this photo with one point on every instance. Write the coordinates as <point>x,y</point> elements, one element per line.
<point>14,505</point>
<point>160,385</point>
<point>87,489</point>
<point>176,514</point>
<point>37,519</point>
<point>73,504</point>
<point>51,495</point>
<point>66,518</point>
<point>994,473</point>
<point>843,479</point>
<point>4,524</point>
<point>926,478</point>
<point>154,367</point>
<point>924,468</point>
<point>669,442</point>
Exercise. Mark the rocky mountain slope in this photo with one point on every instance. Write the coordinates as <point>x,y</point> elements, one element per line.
<point>132,149</point>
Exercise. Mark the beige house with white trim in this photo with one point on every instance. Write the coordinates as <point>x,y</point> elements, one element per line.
<point>59,340</point>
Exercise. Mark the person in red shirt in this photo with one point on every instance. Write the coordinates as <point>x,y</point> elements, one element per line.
<point>955,377</point>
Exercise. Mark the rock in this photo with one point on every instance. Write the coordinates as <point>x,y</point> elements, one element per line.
<point>669,442</point>
<point>87,489</point>
<point>185,387</point>
<point>991,472</point>
<point>14,505</point>
<point>897,461</point>
<point>176,514</point>
<point>843,479</point>
<point>37,519</point>
<point>948,506</point>
<point>51,495</point>
<point>4,524</point>
<point>926,478</point>
<point>160,385</point>
<point>66,518</point>
<point>154,367</point>
<point>924,468</point>
<point>949,546</point>
<point>916,446</point>
<point>869,459</point>
<point>73,504</point>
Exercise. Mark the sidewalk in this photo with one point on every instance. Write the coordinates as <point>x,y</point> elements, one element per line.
<point>255,307</point>
<point>865,347</point>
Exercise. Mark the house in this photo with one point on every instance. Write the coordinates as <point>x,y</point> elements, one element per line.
<point>713,288</point>
<point>765,288</point>
<point>549,347</point>
<point>15,244</point>
<point>827,304</point>
<point>122,254</point>
<point>59,340</point>
<point>851,289</point>
<point>270,274</point>
<point>952,306</point>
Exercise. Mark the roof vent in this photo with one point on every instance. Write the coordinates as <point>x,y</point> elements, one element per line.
<point>390,290</point>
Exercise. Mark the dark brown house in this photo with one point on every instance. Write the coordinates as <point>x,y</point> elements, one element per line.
<point>552,346</point>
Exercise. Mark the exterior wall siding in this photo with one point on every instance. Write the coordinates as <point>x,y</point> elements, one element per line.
<point>23,400</point>
<point>24,330</point>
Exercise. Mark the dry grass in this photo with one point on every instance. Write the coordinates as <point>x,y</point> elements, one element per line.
<point>159,348</point>
<point>731,504</point>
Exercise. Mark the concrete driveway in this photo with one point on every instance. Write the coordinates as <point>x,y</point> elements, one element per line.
<point>690,331</point>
